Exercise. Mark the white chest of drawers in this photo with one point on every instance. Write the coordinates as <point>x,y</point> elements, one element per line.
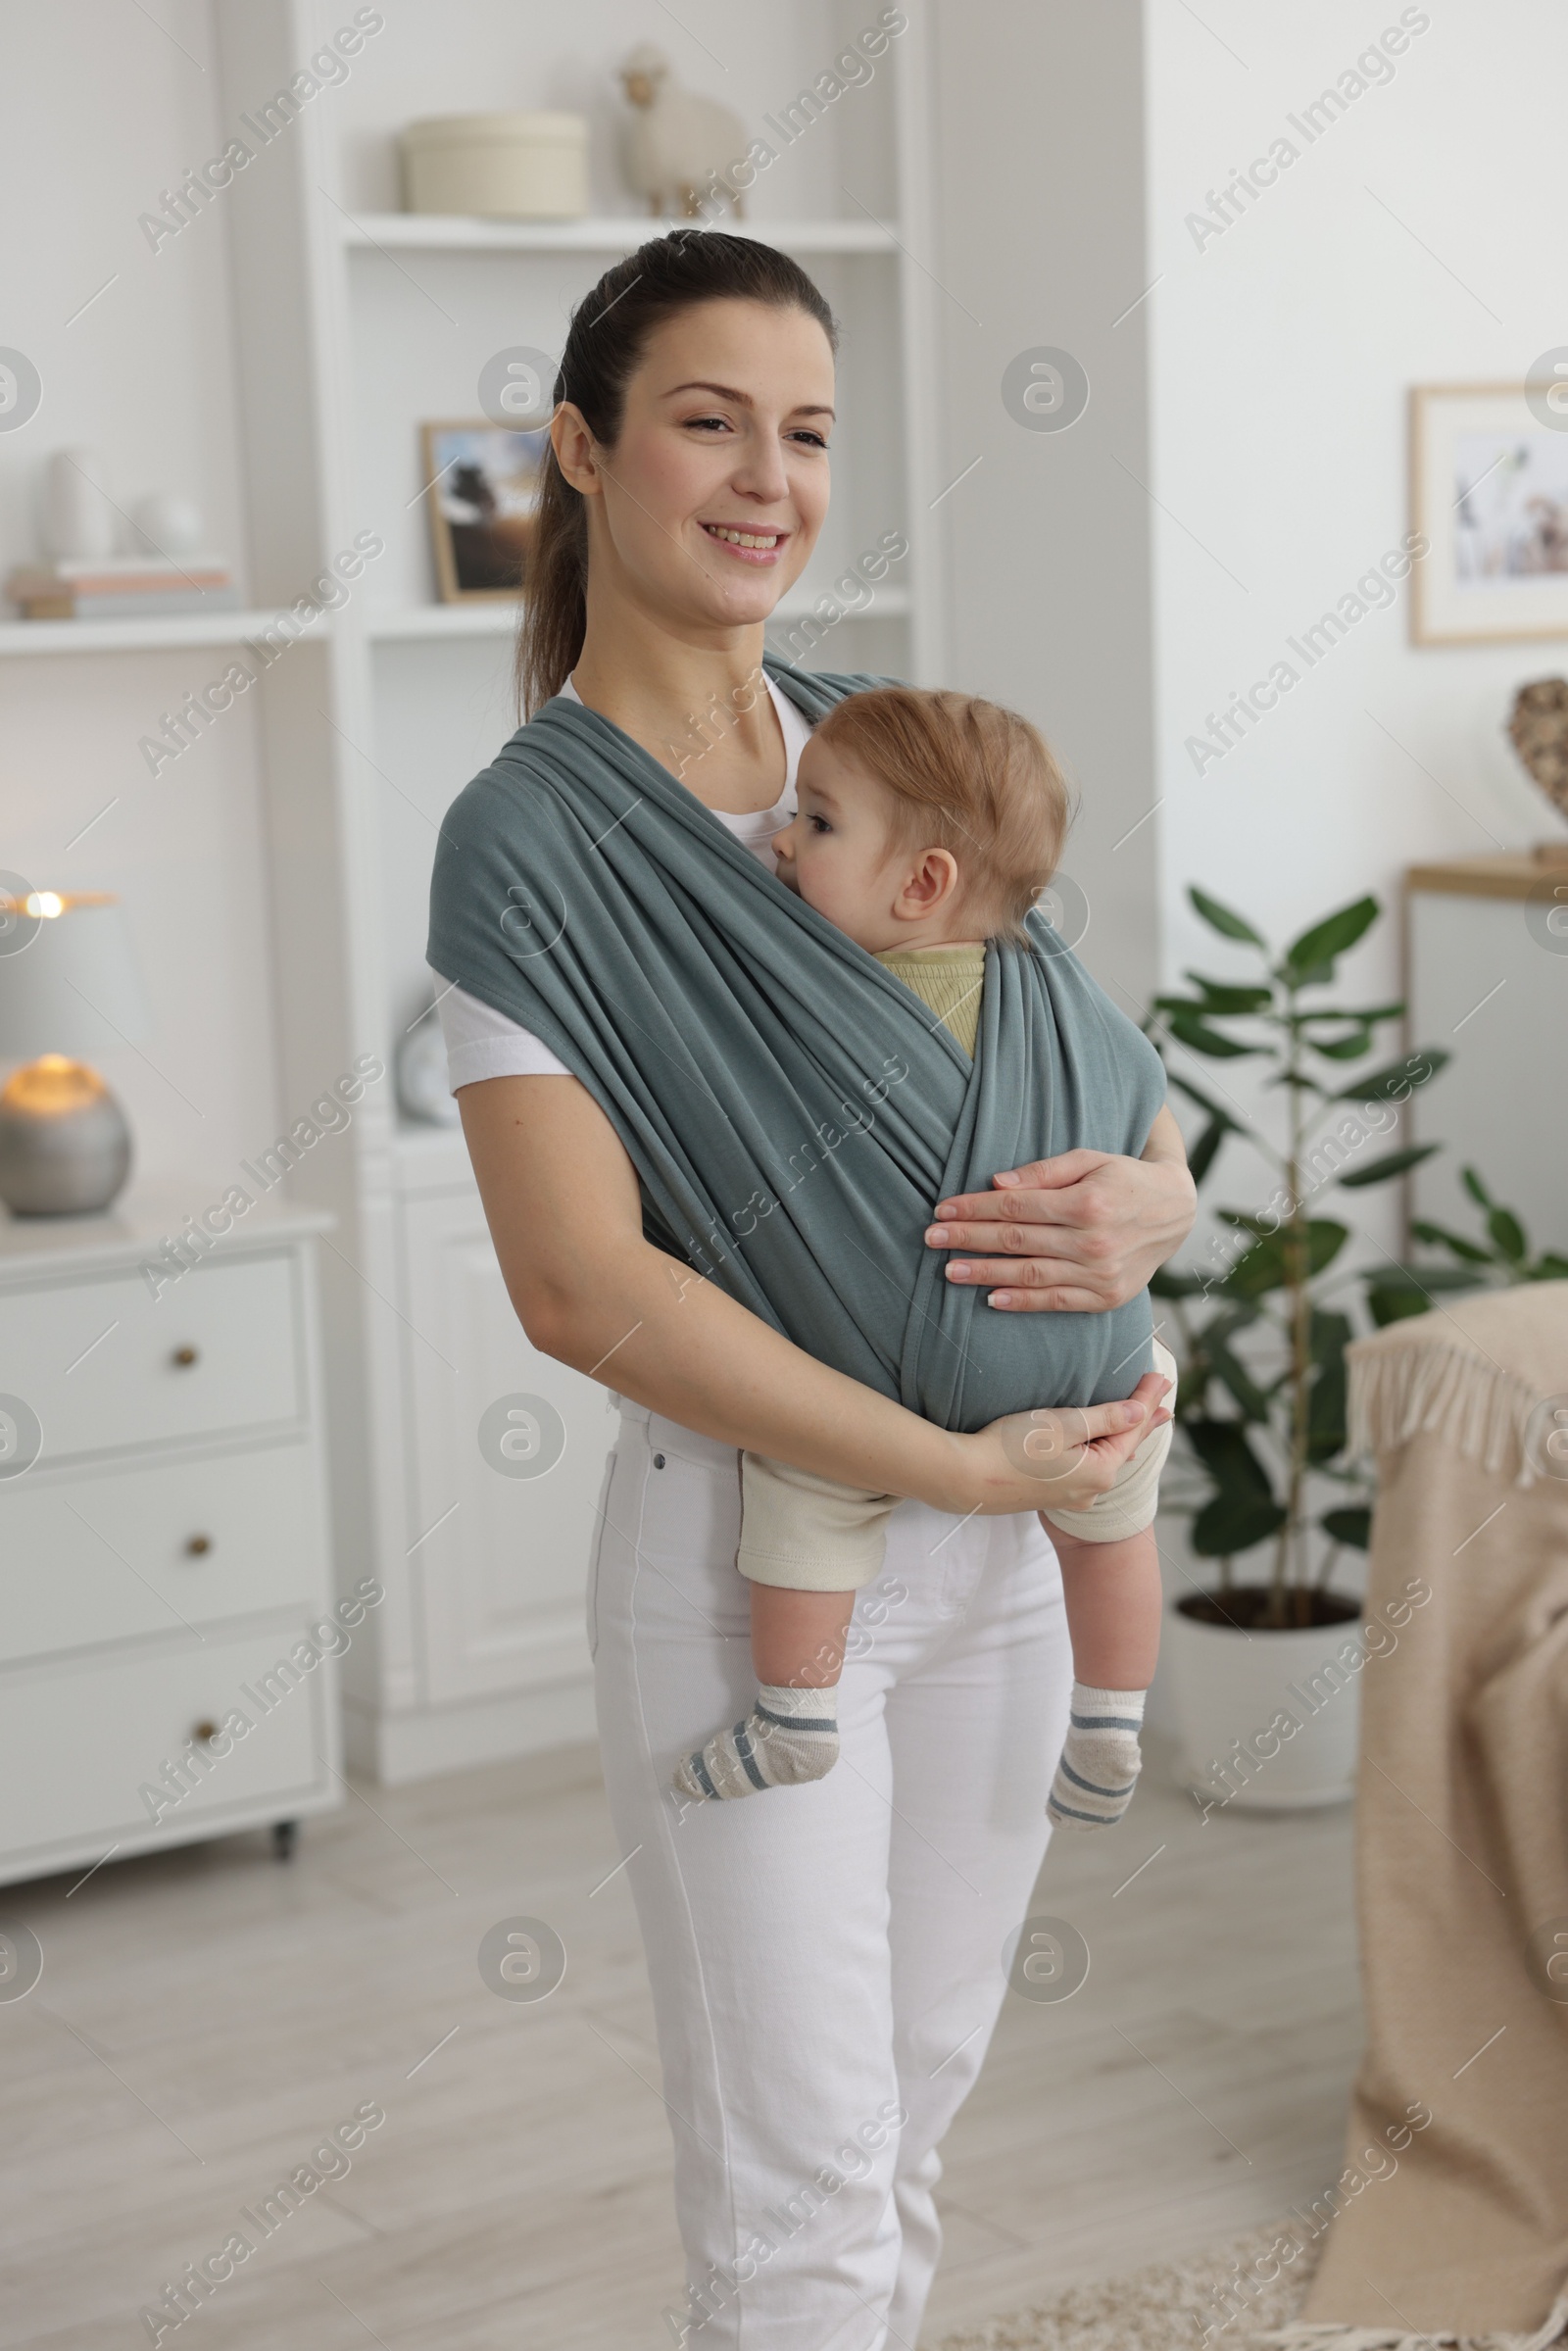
<point>168,1623</point>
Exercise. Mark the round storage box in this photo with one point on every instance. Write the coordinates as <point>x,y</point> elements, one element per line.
<point>500,166</point>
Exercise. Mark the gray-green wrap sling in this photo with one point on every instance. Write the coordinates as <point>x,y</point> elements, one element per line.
<point>792,1111</point>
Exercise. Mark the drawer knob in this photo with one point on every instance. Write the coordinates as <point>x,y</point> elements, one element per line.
<point>197,1547</point>
<point>184,1356</point>
<point>204,1730</point>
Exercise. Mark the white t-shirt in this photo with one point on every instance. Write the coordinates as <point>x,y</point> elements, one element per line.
<point>484,1044</point>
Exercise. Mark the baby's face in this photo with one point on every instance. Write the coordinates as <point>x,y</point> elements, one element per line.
<point>835,852</point>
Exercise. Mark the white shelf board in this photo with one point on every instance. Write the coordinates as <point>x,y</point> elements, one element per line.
<point>479,619</point>
<point>500,620</point>
<point>616,232</point>
<point>482,619</point>
<point>171,632</point>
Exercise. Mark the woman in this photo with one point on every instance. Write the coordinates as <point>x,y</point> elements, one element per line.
<point>825,1977</point>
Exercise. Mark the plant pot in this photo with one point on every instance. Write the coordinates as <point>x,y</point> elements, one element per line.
<point>1266,1721</point>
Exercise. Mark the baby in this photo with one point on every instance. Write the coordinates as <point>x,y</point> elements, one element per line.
<point>926,824</point>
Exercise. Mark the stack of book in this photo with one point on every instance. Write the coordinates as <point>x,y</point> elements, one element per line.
<point>128,587</point>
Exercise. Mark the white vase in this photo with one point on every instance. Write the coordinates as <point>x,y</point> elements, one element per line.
<point>170,523</point>
<point>1268,1722</point>
<point>78,520</point>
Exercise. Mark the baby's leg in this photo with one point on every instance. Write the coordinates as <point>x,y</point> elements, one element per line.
<point>1115,1602</point>
<point>807,1543</point>
<point>791,1732</point>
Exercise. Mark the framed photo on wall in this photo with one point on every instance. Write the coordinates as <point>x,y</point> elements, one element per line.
<point>483,489</point>
<point>1489,487</point>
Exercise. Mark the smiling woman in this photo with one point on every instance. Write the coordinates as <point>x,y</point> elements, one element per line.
<point>691,445</point>
<point>812,1968</point>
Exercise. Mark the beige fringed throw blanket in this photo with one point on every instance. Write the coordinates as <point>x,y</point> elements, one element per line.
<point>1462,1843</point>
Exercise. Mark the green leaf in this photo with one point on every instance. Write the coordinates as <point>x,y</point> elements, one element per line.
<point>1220,918</point>
<point>1233,1318</point>
<point>1549,1267</point>
<point>1265,1265</point>
<point>1222,1447</point>
<point>1220,996</point>
<point>1201,1158</point>
<point>1233,1523</point>
<point>1476,1188</point>
<point>1440,1237</point>
<point>1168,1284</point>
<point>1234,1376</point>
<point>1349,1047</point>
<point>1331,1334</point>
<point>1325,1411</point>
<point>1245,1222</point>
<point>1392,1303</point>
<point>1399,1291</point>
<point>1392,1163</point>
<point>1400,1080</point>
<point>1204,1102</point>
<point>1192,1031</point>
<point>1507,1235</point>
<point>1353,1527</point>
<point>1311,956</point>
<point>1367,1012</point>
<point>1431,1278</point>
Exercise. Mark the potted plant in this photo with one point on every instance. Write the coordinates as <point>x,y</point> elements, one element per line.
<point>1264,1663</point>
<point>1504,1257</point>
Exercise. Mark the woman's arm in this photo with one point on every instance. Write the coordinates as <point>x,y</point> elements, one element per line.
<point>565,1215</point>
<point>1085,1231</point>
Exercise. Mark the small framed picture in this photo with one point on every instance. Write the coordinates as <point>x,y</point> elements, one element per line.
<point>1489,487</point>
<point>482,491</point>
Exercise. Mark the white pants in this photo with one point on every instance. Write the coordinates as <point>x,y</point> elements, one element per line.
<point>826,1961</point>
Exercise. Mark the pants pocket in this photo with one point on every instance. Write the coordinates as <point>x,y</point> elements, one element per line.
<point>596,1553</point>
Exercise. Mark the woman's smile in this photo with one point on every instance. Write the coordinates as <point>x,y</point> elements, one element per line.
<point>748,545</point>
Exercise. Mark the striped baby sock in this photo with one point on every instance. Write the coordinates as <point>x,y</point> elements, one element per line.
<point>789,1736</point>
<point>1093,1782</point>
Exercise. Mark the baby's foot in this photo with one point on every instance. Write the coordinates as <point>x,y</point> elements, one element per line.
<point>789,1736</point>
<point>1100,1762</point>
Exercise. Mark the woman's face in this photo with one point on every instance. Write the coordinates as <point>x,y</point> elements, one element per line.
<point>711,501</point>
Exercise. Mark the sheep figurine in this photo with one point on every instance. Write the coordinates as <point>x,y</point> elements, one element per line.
<point>674,141</point>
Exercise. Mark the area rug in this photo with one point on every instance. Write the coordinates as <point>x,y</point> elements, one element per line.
<point>1238,2296</point>
<point>1174,2306</point>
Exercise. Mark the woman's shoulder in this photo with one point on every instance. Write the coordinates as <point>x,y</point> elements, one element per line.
<point>533,759</point>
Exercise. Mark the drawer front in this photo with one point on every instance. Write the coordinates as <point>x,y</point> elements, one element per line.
<point>106,1366</point>
<point>129,1553</point>
<point>77,1746</point>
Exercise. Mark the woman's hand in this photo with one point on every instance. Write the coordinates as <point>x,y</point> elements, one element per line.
<point>1082,1231</point>
<point>1054,1460</point>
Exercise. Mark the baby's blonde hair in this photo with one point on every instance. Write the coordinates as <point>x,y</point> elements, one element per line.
<point>968,776</point>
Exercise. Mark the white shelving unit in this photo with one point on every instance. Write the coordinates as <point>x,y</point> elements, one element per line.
<point>620,233</point>
<point>23,638</point>
<point>353,323</point>
<point>19,639</point>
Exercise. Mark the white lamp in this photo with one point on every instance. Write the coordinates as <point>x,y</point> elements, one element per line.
<point>69,989</point>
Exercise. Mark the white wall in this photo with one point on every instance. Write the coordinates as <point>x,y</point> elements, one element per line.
<point>1282,351</point>
<point>1038,201</point>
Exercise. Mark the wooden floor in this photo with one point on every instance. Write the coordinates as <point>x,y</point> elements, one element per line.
<point>205,2016</point>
